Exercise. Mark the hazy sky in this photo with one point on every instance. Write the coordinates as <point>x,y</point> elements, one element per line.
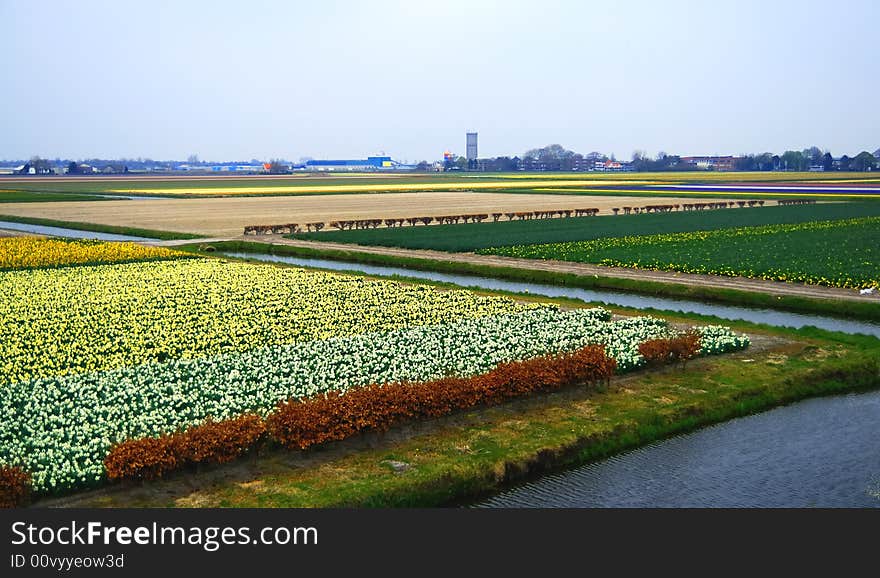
<point>337,79</point>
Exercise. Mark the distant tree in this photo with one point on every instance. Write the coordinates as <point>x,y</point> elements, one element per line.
<point>813,155</point>
<point>277,167</point>
<point>461,163</point>
<point>793,161</point>
<point>72,168</point>
<point>643,163</point>
<point>844,163</point>
<point>877,154</point>
<point>827,162</point>
<point>864,161</point>
<point>41,166</point>
<point>192,159</point>
<point>672,162</point>
<point>746,163</point>
<point>764,162</point>
<point>552,157</point>
<point>550,152</point>
<point>423,166</point>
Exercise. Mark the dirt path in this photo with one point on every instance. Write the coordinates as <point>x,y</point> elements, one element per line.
<point>582,269</point>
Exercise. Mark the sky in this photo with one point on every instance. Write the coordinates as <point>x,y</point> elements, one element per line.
<point>344,79</point>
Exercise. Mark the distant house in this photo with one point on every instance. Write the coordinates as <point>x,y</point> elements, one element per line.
<point>114,170</point>
<point>81,169</point>
<point>711,163</point>
<point>19,170</point>
<point>612,166</point>
<point>25,169</point>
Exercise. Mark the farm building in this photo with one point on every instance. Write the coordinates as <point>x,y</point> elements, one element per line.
<point>368,164</point>
<point>711,163</point>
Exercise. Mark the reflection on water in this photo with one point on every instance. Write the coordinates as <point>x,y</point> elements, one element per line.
<point>817,453</point>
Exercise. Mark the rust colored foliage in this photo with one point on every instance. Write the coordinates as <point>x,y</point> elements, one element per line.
<point>222,441</point>
<point>142,459</point>
<point>335,416</point>
<point>681,348</point>
<point>15,487</point>
<point>210,442</point>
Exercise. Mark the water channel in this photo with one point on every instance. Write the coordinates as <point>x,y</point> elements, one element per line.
<point>768,316</point>
<point>64,232</point>
<point>820,452</point>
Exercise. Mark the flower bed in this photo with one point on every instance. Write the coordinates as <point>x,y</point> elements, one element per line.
<point>300,424</point>
<point>35,252</point>
<point>840,253</point>
<point>60,428</point>
<point>85,319</point>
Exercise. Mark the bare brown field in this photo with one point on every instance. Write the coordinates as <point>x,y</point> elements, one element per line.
<point>227,216</point>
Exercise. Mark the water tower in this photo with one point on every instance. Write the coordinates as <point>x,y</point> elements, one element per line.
<point>471,150</point>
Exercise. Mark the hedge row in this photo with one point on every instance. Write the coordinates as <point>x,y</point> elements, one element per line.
<point>301,424</point>
<point>681,348</point>
<point>15,487</point>
<point>210,442</point>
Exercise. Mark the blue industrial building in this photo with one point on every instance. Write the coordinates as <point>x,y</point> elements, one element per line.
<point>368,164</point>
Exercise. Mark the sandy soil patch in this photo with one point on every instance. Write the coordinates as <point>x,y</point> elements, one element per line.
<point>227,216</point>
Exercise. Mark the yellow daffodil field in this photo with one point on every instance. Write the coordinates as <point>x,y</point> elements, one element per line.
<point>33,252</point>
<point>81,319</point>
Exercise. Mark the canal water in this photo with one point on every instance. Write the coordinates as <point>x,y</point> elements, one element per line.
<point>820,452</point>
<point>71,233</point>
<point>768,316</point>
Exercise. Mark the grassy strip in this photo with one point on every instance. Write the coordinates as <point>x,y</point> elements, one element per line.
<point>831,307</point>
<point>478,452</point>
<point>480,458</point>
<point>98,228</point>
<point>473,236</point>
<point>34,197</point>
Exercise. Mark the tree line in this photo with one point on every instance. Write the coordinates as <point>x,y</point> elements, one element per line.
<point>557,158</point>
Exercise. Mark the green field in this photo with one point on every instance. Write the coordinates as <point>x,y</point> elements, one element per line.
<point>473,236</point>
<point>833,253</point>
<point>35,197</point>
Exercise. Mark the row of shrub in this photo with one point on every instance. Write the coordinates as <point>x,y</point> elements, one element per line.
<point>679,348</point>
<point>15,486</point>
<point>212,442</point>
<point>347,225</point>
<point>301,424</point>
